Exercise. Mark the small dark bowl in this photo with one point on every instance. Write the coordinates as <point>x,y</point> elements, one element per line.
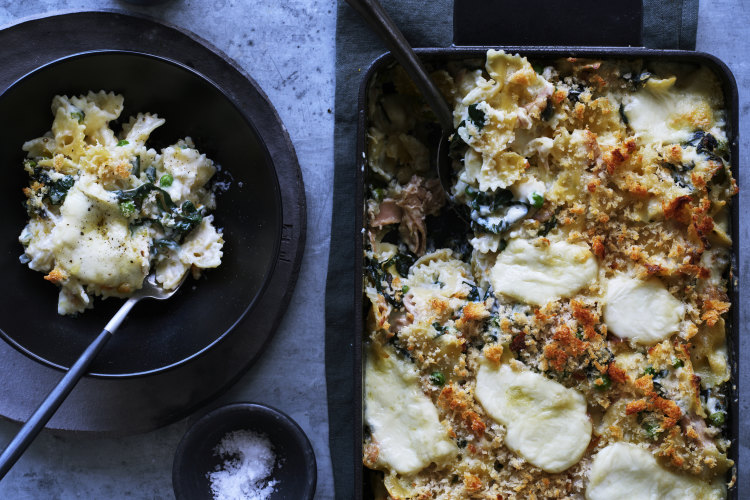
<point>295,469</point>
<point>157,335</point>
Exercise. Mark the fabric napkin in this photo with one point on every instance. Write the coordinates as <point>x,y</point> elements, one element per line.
<point>666,24</point>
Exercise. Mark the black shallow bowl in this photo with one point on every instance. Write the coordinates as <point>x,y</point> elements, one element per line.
<point>295,470</point>
<point>157,335</point>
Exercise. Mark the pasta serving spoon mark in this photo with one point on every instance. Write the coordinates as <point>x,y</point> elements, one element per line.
<point>57,395</point>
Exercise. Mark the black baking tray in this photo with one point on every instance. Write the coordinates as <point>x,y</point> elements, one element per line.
<point>439,56</point>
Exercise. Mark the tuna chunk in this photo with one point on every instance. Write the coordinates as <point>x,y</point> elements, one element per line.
<point>409,207</point>
<point>388,213</point>
<point>419,198</point>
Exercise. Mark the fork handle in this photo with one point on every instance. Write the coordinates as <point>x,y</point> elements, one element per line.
<point>50,404</point>
<point>54,399</point>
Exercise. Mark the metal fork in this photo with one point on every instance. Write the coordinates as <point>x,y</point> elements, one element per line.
<point>54,399</point>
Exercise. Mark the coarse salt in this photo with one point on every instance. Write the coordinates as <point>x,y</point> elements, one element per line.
<point>248,461</point>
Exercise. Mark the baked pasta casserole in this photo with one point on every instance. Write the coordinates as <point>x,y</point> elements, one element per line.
<point>105,209</point>
<point>554,326</point>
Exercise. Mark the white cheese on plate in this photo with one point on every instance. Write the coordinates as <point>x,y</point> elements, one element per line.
<point>625,470</point>
<point>546,422</point>
<point>643,311</point>
<point>537,274</point>
<point>404,422</point>
<point>93,243</point>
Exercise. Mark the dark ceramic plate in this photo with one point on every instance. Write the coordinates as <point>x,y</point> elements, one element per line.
<point>295,471</point>
<point>156,335</point>
<point>191,348</point>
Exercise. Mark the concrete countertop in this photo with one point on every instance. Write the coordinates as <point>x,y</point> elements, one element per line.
<point>289,49</point>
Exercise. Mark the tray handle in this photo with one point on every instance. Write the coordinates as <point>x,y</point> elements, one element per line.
<point>613,23</point>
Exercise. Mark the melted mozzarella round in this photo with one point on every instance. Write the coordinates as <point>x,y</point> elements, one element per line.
<point>546,422</point>
<point>624,470</point>
<point>538,274</point>
<point>404,422</point>
<point>92,242</point>
<point>643,311</point>
<point>663,114</point>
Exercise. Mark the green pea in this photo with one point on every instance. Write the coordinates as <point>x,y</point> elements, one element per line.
<point>404,288</point>
<point>652,430</point>
<point>166,180</point>
<point>678,363</point>
<point>605,383</point>
<point>127,208</point>
<point>717,419</point>
<point>438,379</point>
<point>537,200</point>
<point>78,116</point>
<point>123,143</point>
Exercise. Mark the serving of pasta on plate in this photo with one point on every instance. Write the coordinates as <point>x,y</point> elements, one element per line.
<point>105,209</point>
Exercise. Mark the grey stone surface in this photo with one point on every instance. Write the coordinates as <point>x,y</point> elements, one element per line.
<point>288,47</point>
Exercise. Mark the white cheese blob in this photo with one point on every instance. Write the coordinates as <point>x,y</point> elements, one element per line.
<point>643,311</point>
<point>93,243</point>
<point>538,274</point>
<point>661,113</point>
<point>650,111</point>
<point>625,470</point>
<point>404,422</point>
<point>546,422</point>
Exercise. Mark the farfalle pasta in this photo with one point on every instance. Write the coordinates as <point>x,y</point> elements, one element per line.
<point>105,209</point>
